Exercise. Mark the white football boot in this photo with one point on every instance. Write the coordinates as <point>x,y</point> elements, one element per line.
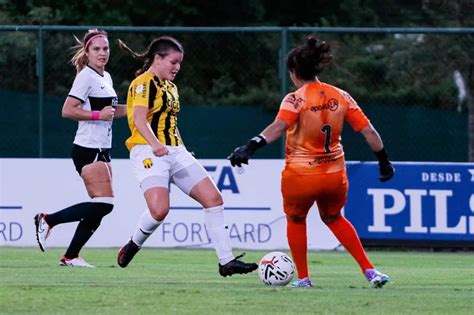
<point>75,262</point>
<point>42,230</point>
<point>376,278</point>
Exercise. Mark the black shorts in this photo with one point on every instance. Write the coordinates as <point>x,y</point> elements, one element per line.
<point>82,156</point>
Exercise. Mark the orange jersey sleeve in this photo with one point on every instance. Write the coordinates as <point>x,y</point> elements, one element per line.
<point>290,107</point>
<point>354,116</point>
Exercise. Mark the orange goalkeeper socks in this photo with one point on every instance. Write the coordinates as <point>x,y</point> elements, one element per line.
<point>347,235</point>
<point>296,233</point>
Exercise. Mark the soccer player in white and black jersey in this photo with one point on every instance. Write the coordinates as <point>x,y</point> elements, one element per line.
<point>92,102</point>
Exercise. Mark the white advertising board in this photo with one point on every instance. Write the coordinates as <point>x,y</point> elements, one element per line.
<point>253,206</point>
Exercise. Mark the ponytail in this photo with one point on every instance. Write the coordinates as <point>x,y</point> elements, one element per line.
<point>161,46</point>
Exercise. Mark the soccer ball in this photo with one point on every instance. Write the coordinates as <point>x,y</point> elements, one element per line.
<point>276,268</point>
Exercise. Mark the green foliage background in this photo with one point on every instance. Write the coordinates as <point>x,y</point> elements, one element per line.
<point>237,68</point>
<point>374,68</point>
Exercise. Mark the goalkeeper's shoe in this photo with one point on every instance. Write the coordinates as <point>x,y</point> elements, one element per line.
<point>376,278</point>
<point>126,253</point>
<point>304,283</point>
<point>236,266</point>
<point>42,230</point>
<point>75,262</point>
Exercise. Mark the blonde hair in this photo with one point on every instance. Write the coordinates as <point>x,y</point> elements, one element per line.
<point>79,59</point>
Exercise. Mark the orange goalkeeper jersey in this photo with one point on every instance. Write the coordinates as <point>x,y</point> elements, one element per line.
<point>315,114</point>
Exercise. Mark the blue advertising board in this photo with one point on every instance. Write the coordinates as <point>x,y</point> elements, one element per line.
<point>423,202</point>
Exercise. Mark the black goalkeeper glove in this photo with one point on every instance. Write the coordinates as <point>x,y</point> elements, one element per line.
<point>385,167</point>
<point>242,154</point>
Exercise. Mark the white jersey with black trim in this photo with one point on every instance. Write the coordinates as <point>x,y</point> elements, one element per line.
<point>95,91</point>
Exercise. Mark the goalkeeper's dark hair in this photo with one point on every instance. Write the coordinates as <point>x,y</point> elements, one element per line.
<point>309,59</point>
<point>162,46</point>
<point>79,59</point>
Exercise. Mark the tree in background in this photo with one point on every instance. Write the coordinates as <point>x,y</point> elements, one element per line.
<point>459,13</point>
<point>242,68</point>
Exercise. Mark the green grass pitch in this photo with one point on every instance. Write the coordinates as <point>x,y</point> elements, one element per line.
<point>186,281</point>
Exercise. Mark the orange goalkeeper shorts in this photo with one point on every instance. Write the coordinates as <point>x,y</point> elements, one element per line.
<point>299,191</point>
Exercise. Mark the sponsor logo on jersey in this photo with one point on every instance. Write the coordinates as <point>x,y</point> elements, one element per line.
<point>331,105</point>
<point>323,160</point>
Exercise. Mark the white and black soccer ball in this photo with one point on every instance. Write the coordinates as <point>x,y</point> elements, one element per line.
<point>276,268</point>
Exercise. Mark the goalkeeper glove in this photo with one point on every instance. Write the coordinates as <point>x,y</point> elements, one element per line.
<point>385,167</point>
<point>242,154</point>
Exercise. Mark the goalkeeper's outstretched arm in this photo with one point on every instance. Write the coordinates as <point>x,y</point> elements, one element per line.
<point>242,154</point>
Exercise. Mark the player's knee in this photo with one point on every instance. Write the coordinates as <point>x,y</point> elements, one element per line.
<point>330,218</point>
<point>159,212</point>
<point>209,197</point>
<point>105,209</point>
<point>294,214</point>
<point>102,206</point>
<point>213,200</point>
<point>295,218</point>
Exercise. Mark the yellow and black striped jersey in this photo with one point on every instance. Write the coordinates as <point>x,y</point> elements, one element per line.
<point>162,100</point>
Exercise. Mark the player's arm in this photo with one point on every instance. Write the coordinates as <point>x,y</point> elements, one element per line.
<point>274,131</point>
<point>271,133</point>
<point>372,137</point>
<point>141,123</point>
<point>359,122</point>
<point>120,110</point>
<point>72,110</point>
<point>287,116</point>
<point>376,144</point>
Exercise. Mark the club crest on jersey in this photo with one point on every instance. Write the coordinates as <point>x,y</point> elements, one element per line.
<point>294,100</point>
<point>141,89</point>
<point>147,163</point>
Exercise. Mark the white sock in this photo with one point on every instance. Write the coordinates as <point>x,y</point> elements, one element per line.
<point>146,226</point>
<point>217,229</point>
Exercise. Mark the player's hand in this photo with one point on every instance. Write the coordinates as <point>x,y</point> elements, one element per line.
<point>107,113</point>
<point>159,150</point>
<point>240,156</point>
<point>386,171</point>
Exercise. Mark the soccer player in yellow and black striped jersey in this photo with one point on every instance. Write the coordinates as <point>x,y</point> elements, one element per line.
<point>162,101</point>
<point>159,157</point>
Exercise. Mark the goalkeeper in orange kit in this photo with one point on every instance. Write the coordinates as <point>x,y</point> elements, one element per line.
<point>315,171</point>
